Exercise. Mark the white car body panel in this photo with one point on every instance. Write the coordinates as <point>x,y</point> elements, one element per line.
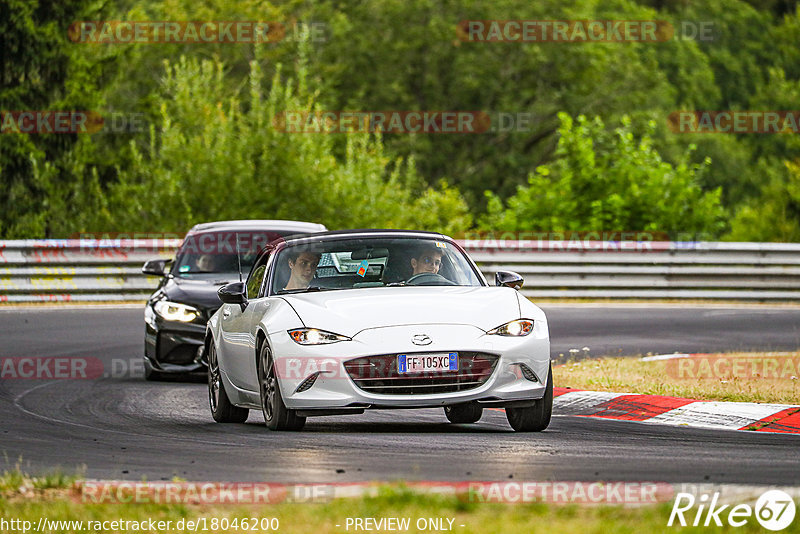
<point>380,321</point>
<point>351,311</point>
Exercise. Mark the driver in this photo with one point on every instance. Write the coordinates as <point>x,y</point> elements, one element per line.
<point>303,266</point>
<point>427,260</point>
<point>206,263</point>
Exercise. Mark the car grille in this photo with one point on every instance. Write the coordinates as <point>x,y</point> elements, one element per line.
<point>378,374</point>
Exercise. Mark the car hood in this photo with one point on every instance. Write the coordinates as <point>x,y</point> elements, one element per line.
<point>348,312</point>
<point>201,294</point>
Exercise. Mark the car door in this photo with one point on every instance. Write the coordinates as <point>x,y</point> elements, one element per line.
<point>239,329</point>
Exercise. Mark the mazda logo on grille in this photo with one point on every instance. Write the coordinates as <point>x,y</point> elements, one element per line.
<point>421,339</point>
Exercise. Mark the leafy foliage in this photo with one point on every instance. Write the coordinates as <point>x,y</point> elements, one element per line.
<point>608,181</point>
<point>776,215</point>
<point>215,158</point>
<point>213,152</point>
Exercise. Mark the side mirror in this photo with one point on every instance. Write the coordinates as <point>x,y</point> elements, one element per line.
<point>233,293</point>
<point>155,267</point>
<point>508,279</point>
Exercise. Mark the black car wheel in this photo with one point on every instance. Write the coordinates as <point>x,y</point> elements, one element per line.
<point>276,414</point>
<point>537,417</point>
<point>221,408</point>
<point>469,412</point>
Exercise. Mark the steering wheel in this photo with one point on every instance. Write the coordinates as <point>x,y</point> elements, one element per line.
<point>429,279</point>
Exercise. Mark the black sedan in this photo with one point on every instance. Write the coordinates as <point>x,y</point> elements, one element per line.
<point>176,314</point>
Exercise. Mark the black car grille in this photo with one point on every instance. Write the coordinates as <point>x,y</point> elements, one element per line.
<point>379,374</point>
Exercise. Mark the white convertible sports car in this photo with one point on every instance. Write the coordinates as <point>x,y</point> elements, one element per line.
<point>339,322</point>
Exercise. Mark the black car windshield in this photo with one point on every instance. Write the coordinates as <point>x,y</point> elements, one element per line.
<point>363,262</point>
<point>210,254</point>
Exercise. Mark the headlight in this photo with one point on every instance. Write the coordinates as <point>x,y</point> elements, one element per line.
<point>173,311</point>
<point>312,336</point>
<point>518,328</point>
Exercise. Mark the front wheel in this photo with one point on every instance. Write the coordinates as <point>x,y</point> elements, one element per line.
<point>221,408</point>
<point>276,414</point>
<point>537,417</point>
<point>469,412</point>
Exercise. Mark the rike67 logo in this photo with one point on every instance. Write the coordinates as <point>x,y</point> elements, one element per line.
<point>774,510</point>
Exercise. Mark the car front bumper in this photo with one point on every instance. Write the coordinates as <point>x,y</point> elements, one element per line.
<point>334,386</point>
<point>172,346</point>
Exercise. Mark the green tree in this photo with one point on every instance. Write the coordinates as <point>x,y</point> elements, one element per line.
<point>42,70</point>
<point>608,181</point>
<point>410,56</point>
<point>216,157</point>
<point>775,214</point>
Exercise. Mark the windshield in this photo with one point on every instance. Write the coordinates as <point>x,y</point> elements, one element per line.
<point>214,253</point>
<point>370,262</point>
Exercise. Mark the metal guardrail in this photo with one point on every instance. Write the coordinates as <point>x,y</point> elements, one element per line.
<point>77,270</point>
<point>91,270</point>
<point>646,269</point>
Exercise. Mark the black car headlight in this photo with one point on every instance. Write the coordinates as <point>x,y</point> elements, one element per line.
<point>175,311</point>
<point>313,336</point>
<point>517,328</point>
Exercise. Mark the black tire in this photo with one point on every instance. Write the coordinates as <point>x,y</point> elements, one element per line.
<point>537,417</point>
<point>221,408</point>
<point>469,412</point>
<point>276,415</point>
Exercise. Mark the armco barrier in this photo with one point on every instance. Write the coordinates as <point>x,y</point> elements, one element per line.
<point>89,270</point>
<point>646,269</point>
<point>55,270</point>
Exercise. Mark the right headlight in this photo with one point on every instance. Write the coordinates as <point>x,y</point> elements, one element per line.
<point>314,336</point>
<point>518,328</point>
<point>175,311</point>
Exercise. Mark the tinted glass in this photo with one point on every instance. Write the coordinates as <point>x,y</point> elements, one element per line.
<point>214,253</point>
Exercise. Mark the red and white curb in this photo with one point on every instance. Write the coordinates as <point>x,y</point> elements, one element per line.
<point>782,418</point>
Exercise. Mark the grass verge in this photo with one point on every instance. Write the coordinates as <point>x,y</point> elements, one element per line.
<point>735,377</point>
<point>395,501</point>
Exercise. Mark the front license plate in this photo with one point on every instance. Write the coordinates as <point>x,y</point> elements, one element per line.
<point>420,363</point>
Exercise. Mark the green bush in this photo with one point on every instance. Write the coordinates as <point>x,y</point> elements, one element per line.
<point>608,181</point>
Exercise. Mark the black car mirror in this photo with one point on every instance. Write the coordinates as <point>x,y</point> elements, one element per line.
<point>233,293</point>
<point>155,267</point>
<point>509,279</point>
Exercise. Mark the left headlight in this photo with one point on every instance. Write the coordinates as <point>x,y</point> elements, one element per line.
<point>174,311</point>
<point>312,336</point>
<point>518,328</point>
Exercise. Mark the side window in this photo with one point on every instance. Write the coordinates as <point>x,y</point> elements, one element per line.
<point>256,278</point>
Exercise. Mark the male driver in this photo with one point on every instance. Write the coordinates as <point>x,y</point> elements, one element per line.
<point>427,260</point>
<point>302,265</point>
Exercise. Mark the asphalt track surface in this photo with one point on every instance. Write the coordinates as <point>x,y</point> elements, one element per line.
<point>121,427</point>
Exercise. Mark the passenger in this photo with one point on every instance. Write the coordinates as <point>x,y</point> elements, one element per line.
<point>303,266</point>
